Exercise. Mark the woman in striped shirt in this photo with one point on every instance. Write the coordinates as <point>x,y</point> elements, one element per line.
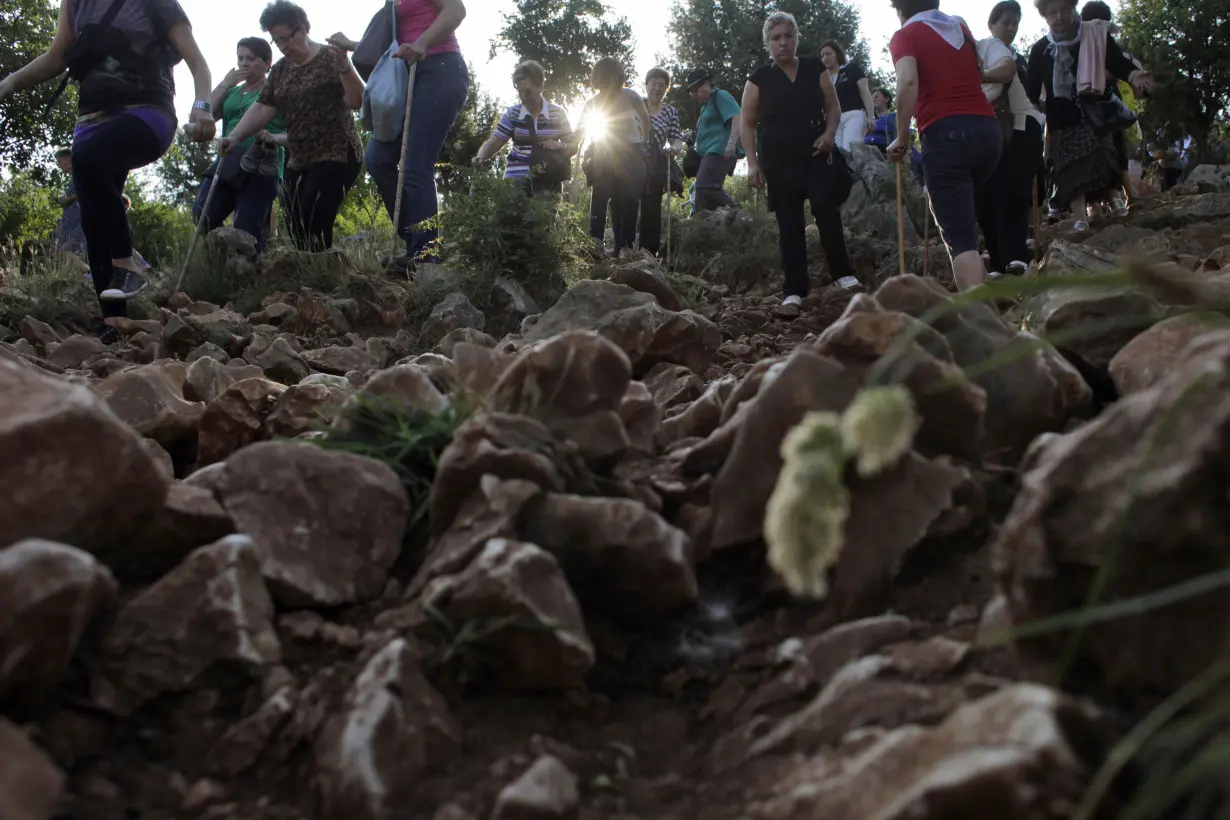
<point>533,121</point>
<point>664,124</point>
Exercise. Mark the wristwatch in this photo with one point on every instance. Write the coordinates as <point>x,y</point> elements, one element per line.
<point>203,105</point>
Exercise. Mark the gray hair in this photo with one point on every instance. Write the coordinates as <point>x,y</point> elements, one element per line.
<point>776,19</point>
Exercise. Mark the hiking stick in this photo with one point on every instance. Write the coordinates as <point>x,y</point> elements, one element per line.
<point>1037,214</point>
<point>900,226</point>
<point>401,162</point>
<point>668,213</point>
<point>200,223</point>
<point>926,240</point>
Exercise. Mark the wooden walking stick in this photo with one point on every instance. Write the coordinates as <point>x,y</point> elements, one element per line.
<point>1037,214</point>
<point>200,223</point>
<point>401,163</point>
<point>900,226</point>
<point>926,237</point>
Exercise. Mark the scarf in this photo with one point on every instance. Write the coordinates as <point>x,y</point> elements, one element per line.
<point>1063,76</point>
<point>949,27</point>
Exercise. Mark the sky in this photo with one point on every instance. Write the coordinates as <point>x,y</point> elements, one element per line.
<point>218,24</point>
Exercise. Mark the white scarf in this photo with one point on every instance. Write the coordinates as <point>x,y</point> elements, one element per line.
<point>1063,72</point>
<point>946,25</point>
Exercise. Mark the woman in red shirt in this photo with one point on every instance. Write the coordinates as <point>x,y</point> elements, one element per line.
<point>939,83</point>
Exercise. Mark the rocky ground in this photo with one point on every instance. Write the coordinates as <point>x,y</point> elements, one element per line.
<point>291,565</point>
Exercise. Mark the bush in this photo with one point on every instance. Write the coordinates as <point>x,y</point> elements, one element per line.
<point>160,232</point>
<point>28,213</point>
<point>739,254</point>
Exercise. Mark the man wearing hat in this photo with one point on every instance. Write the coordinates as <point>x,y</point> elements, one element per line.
<point>717,139</point>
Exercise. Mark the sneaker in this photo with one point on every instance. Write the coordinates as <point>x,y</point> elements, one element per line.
<point>109,336</point>
<point>796,301</point>
<point>1080,226</point>
<point>849,283</point>
<point>268,166</point>
<point>1017,268</point>
<point>251,159</point>
<point>125,284</point>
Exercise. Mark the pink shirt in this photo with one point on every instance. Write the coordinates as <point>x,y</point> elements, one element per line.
<point>414,17</point>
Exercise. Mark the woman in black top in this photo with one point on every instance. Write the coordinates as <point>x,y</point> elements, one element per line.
<point>853,95</point>
<point>797,156</point>
<point>1082,163</point>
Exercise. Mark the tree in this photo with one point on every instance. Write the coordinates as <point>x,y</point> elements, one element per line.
<point>182,168</point>
<point>29,133</point>
<point>1185,46</point>
<point>726,36</point>
<point>567,37</point>
<point>473,126</point>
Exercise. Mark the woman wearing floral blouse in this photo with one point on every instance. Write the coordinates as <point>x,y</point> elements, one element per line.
<point>664,123</point>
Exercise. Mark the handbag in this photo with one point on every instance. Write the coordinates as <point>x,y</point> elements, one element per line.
<point>380,33</point>
<point>384,96</point>
<point>1106,114</point>
<point>547,166</point>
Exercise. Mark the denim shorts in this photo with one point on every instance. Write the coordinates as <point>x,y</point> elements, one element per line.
<point>959,154</point>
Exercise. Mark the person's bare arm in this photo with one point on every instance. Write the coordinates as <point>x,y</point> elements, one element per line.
<point>218,95</point>
<point>832,114</point>
<point>489,149</point>
<point>253,122</point>
<point>907,102</point>
<point>642,114</point>
<point>182,39</point>
<point>864,94</point>
<point>736,133</point>
<point>352,83</point>
<point>748,121</point>
<point>452,12</point>
<point>51,63</point>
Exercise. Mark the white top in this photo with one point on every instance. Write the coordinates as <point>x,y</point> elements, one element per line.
<point>991,52</point>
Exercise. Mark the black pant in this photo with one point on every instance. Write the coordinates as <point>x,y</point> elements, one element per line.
<point>103,156</point>
<point>1006,199</point>
<point>619,177</point>
<point>651,207</point>
<point>250,201</point>
<point>313,196</point>
<point>825,182</point>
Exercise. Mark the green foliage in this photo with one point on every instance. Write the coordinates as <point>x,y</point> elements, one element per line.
<point>498,231</point>
<point>735,256</point>
<point>182,168</point>
<point>363,210</point>
<point>1184,46</point>
<point>567,37</point>
<point>726,37</point>
<point>53,289</point>
<point>160,231</point>
<point>28,132</point>
<point>28,212</point>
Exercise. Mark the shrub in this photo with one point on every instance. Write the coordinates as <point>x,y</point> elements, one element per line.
<point>28,212</point>
<point>739,254</point>
<point>160,231</point>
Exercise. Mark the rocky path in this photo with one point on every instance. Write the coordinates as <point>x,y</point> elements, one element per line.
<point>547,597</point>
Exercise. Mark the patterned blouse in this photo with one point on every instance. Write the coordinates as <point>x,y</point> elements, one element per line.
<point>665,125</point>
<point>309,98</point>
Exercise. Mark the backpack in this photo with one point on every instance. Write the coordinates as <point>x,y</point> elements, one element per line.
<point>89,48</point>
<point>691,160</point>
<point>384,96</point>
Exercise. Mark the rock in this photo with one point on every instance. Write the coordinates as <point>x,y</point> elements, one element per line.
<point>51,593</point>
<point>207,379</point>
<point>280,362</point>
<point>391,728</point>
<point>406,386</point>
<point>278,314</point>
<point>804,382</point>
<point>618,555</point>
<point>831,650</point>
<point>1186,211</point>
<point>210,616</point>
<point>1210,178</point>
<point>1034,393</point>
<point>326,526</point>
<point>1014,754</point>
<point>341,360</point>
<point>673,384</point>
<point>640,416</point>
<point>1065,257</point>
<point>303,408</point>
<point>70,471</point>
<point>73,351</point>
<point>1094,325</point>
<point>30,784</point>
<point>546,791</point>
<point>452,312</point>
<point>226,329</point>
<point>477,369</point>
<point>468,335</point>
<point>151,400</point>
<point>1152,355</point>
<point>647,332</point>
<point>1121,240</point>
<point>235,419</point>
<point>1167,444</point>
<point>37,333</point>
<point>545,646</point>
<point>874,184</point>
<point>190,518</point>
<point>700,418</point>
<point>241,745</point>
<point>647,277</point>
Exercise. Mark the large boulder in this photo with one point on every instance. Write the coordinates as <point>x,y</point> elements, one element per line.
<point>871,205</point>
<point>151,400</point>
<point>236,418</point>
<point>1139,495</point>
<point>190,518</point>
<point>30,783</point>
<point>635,321</point>
<point>70,471</point>
<point>1095,325</point>
<point>326,526</point>
<point>1152,355</point>
<point>51,593</point>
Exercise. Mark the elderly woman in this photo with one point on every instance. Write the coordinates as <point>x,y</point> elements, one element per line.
<point>619,166</point>
<point>426,30</point>
<point>793,100</point>
<point>1083,163</point>
<point>248,183</point>
<point>315,89</point>
<point>664,123</point>
<point>853,92</point>
<point>126,118</point>
<point>1005,202</point>
<point>535,122</point>
<point>940,84</point>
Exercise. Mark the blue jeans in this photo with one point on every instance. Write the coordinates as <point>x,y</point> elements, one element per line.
<point>959,154</point>
<point>250,202</point>
<point>440,87</point>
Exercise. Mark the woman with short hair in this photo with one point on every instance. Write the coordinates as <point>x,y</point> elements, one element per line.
<point>315,89</point>
<point>248,182</point>
<point>533,122</point>
<point>125,118</point>
<point>1084,164</point>
<point>853,93</point>
<point>793,101</point>
<point>939,83</point>
<point>619,160</point>
<point>666,130</point>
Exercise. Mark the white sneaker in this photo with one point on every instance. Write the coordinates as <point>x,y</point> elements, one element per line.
<point>1017,268</point>
<point>793,300</point>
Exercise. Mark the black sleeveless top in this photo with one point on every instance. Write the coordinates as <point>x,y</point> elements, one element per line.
<point>791,113</point>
